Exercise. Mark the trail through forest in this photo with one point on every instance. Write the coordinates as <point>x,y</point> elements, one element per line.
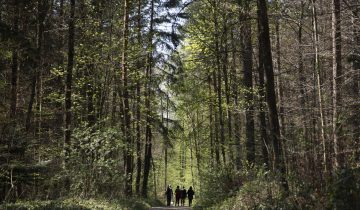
<point>171,208</point>
<point>246,104</point>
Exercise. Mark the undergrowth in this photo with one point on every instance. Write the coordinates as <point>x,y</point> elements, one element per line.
<point>257,188</point>
<point>81,204</point>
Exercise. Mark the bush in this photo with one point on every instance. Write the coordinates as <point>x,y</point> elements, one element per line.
<point>258,191</point>
<point>219,183</point>
<point>345,190</point>
<point>94,162</point>
<point>261,190</point>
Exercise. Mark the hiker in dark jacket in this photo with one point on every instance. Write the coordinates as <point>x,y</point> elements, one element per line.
<point>183,196</point>
<point>190,194</point>
<point>169,194</point>
<point>177,195</point>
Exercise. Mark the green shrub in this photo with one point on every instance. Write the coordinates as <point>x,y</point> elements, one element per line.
<point>345,190</point>
<point>219,183</point>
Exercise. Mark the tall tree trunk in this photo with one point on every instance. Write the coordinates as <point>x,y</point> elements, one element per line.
<point>265,149</point>
<point>319,89</point>
<point>138,105</point>
<point>246,52</point>
<point>211,122</point>
<point>227,87</point>
<point>191,139</point>
<point>216,120</point>
<point>42,6</point>
<point>219,81</point>
<point>355,91</point>
<point>265,52</point>
<point>127,117</point>
<point>237,119</point>
<point>280,92</point>
<point>183,156</point>
<point>337,81</point>
<point>68,87</point>
<point>114,80</point>
<point>14,65</point>
<point>197,147</point>
<point>302,82</point>
<point>148,127</point>
<point>166,143</point>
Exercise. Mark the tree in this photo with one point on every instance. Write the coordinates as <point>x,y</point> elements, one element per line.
<point>15,64</point>
<point>267,66</point>
<point>319,86</point>
<point>138,102</point>
<point>337,84</point>
<point>68,84</point>
<point>355,67</point>
<point>247,60</point>
<point>148,96</point>
<point>127,117</point>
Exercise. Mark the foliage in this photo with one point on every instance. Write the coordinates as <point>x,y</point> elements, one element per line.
<point>94,161</point>
<point>219,184</point>
<point>80,204</point>
<point>260,191</point>
<point>345,189</point>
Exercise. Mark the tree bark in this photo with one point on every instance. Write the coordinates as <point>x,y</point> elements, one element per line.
<point>138,105</point>
<point>211,122</point>
<point>14,65</point>
<point>216,120</point>
<point>302,81</point>
<point>246,52</point>
<point>319,88</point>
<point>355,90</point>
<point>227,87</point>
<point>337,81</point>
<point>127,116</point>
<point>266,56</point>
<point>237,118</point>
<point>36,74</point>
<point>219,81</point>
<point>68,88</point>
<point>262,115</point>
<point>280,91</point>
<point>148,127</point>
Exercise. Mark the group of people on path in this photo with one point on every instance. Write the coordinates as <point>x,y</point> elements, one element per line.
<point>180,195</point>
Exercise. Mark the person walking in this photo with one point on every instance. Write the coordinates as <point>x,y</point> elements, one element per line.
<point>190,194</point>
<point>177,196</point>
<point>183,196</point>
<point>169,194</point>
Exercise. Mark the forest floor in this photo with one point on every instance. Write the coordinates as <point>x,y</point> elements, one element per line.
<point>171,207</point>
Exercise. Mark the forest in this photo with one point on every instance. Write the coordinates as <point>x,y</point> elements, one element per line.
<point>253,103</point>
